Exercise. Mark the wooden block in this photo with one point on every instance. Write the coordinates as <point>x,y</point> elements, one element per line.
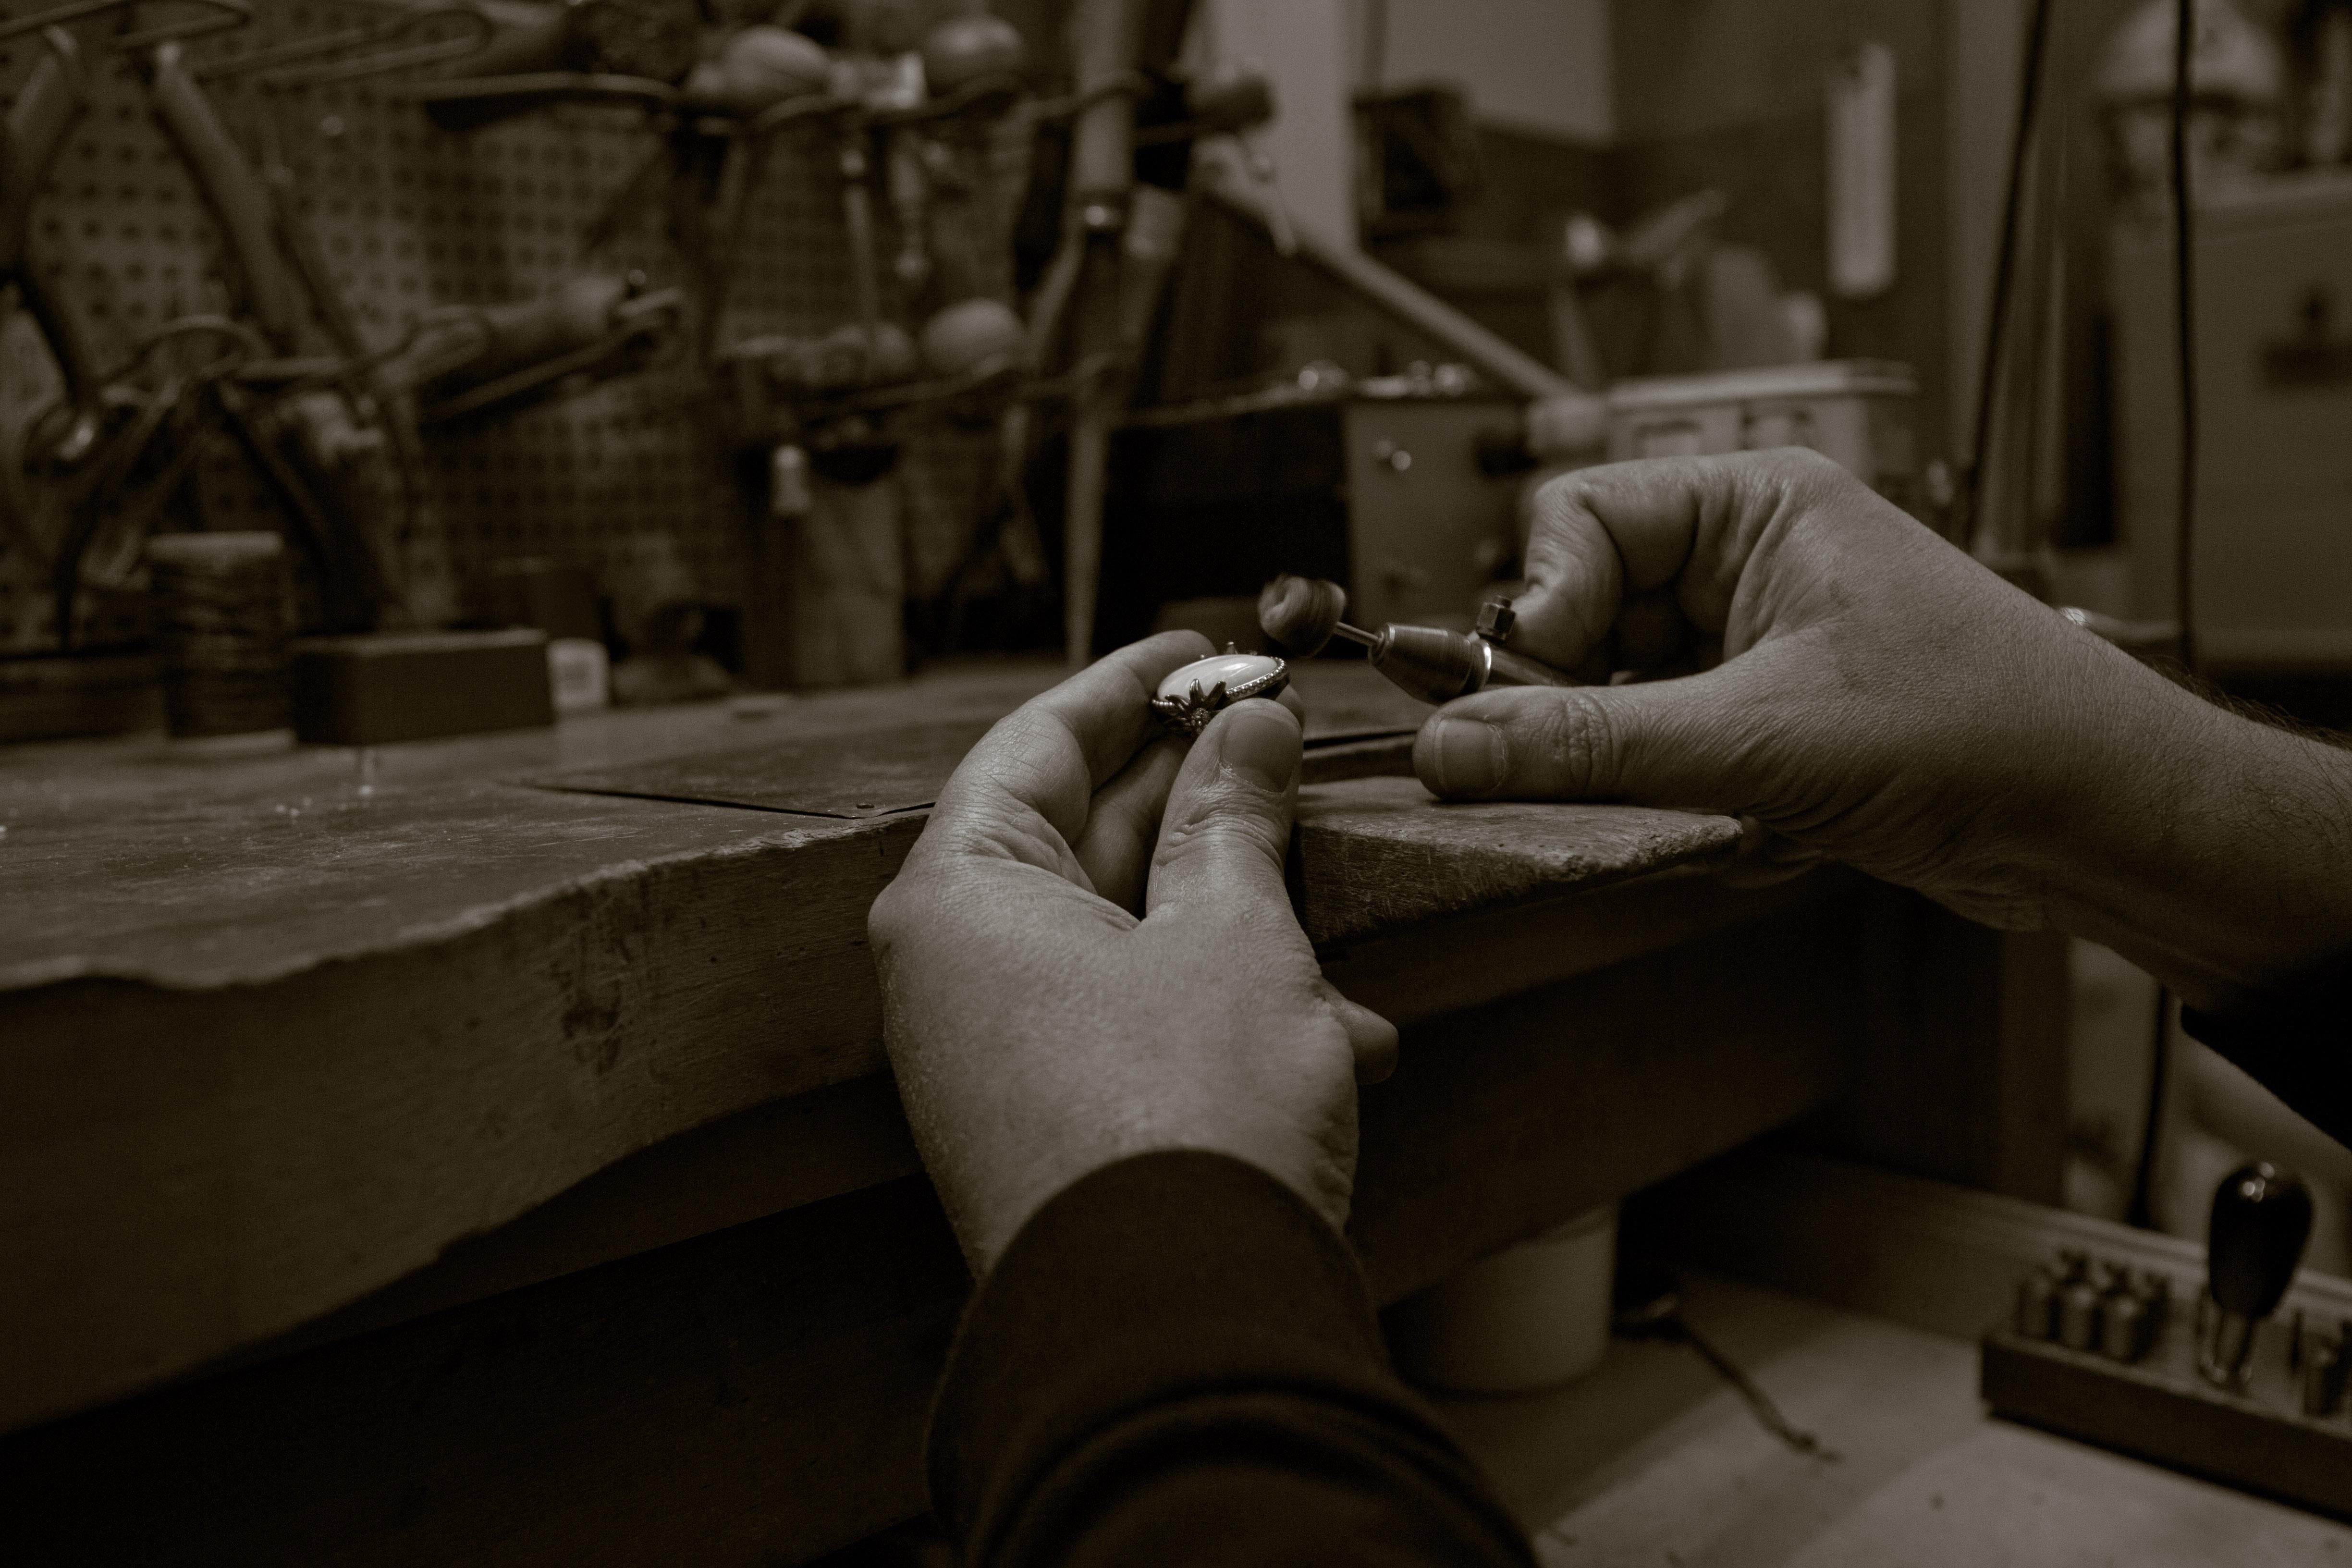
<point>381,687</point>
<point>2159,1409</point>
<point>848,586</point>
<point>55,699</point>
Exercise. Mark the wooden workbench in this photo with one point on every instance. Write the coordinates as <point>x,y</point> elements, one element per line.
<point>483,1149</point>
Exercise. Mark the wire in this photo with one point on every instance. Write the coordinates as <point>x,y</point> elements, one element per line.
<point>2004,272</point>
<point>2184,327</point>
<point>2141,1211</point>
<point>2184,301</point>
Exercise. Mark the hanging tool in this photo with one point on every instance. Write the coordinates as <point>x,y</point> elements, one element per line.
<point>112,504</point>
<point>1304,614</point>
<point>656,39</point>
<point>45,110</point>
<point>253,222</point>
<point>430,36</point>
<point>1107,41</point>
<point>473,359</point>
<point>239,203</point>
<point>629,52</point>
<point>220,15</point>
<point>353,54</point>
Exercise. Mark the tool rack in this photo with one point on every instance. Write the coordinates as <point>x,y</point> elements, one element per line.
<point>628,477</point>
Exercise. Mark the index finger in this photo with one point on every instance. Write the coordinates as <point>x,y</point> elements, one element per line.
<point>1050,754</point>
<point>1607,535</point>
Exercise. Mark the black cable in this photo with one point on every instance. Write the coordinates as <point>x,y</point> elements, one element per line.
<point>2184,327</point>
<point>2184,301</point>
<point>2029,101</point>
<point>2141,1210</point>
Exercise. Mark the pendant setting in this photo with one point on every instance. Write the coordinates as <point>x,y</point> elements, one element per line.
<point>1194,693</point>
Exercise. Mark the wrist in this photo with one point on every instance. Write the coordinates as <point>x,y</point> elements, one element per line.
<point>2224,863</point>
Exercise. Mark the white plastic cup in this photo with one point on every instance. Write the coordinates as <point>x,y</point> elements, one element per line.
<point>1532,1316</point>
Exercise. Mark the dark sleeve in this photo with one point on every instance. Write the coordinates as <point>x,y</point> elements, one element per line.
<point>1176,1362</point>
<point>2295,1040</point>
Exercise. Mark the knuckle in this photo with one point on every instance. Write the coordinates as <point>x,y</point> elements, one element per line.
<point>1575,745</point>
<point>1218,833</point>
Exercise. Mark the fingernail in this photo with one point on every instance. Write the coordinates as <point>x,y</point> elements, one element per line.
<point>1470,756</point>
<point>1260,741</point>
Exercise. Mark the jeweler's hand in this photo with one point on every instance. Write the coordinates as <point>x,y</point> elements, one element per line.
<point>1040,1029</point>
<point>1807,655</point>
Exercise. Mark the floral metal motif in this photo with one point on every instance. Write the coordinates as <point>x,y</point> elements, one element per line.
<point>1190,711</point>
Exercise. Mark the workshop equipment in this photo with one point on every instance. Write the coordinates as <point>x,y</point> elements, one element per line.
<point>108,505</point>
<point>219,606</point>
<point>2272,565</point>
<point>1435,665</point>
<point>2259,1222</point>
<point>1107,41</point>
<point>1532,1316</point>
<point>47,108</point>
<point>213,16</point>
<point>1858,412</point>
<point>610,51</point>
<point>472,359</point>
<point>306,448</point>
<point>2096,1351</point>
<point>1392,497</point>
<point>381,687</point>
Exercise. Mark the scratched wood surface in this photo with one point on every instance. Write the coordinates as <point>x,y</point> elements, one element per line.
<point>754,1396</point>
<point>276,1032</point>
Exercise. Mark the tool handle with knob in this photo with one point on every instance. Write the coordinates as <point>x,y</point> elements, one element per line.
<point>1303,614</point>
<point>2261,1220</point>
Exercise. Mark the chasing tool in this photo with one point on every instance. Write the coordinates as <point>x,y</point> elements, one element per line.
<point>2261,1220</point>
<point>1303,614</point>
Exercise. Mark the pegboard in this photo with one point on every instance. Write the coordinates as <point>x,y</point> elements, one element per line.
<point>630,476</point>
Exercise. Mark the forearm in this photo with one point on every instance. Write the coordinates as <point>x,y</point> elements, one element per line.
<point>2220,858</point>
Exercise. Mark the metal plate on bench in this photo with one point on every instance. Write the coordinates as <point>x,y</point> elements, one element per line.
<point>874,773</point>
<point>871,773</point>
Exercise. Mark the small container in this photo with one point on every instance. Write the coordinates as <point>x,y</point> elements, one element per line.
<point>2123,1325</point>
<point>2323,1375</point>
<point>578,674</point>
<point>1530,1316</point>
<point>2037,1306</point>
<point>2079,1312</point>
<point>219,602</point>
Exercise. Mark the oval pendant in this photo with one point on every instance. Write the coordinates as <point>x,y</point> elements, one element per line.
<point>1194,693</point>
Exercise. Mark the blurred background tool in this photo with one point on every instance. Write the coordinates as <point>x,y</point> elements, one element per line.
<point>2261,1219</point>
<point>1303,614</point>
<point>220,624</point>
<point>635,51</point>
<point>47,107</point>
<point>380,687</point>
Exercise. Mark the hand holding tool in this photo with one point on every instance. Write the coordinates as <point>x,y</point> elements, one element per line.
<point>1303,614</point>
<point>2261,1219</point>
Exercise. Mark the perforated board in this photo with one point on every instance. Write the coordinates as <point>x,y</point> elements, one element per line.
<point>628,477</point>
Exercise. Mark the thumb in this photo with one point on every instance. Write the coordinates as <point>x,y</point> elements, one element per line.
<point>1226,829</point>
<point>1693,742</point>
